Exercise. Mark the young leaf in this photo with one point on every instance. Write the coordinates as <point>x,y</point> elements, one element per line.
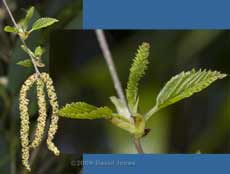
<point>25,63</point>
<point>42,23</point>
<point>123,123</point>
<point>10,29</point>
<point>29,15</point>
<point>120,107</point>
<point>23,35</point>
<point>137,70</point>
<point>39,63</point>
<point>184,85</point>
<point>38,51</point>
<point>81,110</point>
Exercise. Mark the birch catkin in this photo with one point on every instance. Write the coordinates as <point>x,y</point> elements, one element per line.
<point>41,121</point>
<point>54,117</point>
<point>24,118</point>
<point>42,80</point>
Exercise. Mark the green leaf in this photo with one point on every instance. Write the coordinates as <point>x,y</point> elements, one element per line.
<point>29,15</point>
<point>10,29</point>
<point>42,23</point>
<point>38,51</point>
<point>25,63</point>
<point>137,70</point>
<point>81,110</point>
<point>184,85</point>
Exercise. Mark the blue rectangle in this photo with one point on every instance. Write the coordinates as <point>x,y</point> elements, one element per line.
<point>159,164</point>
<point>156,14</point>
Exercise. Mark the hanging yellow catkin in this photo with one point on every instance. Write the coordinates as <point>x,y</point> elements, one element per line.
<point>54,117</point>
<point>24,119</point>
<point>41,120</point>
<point>42,80</point>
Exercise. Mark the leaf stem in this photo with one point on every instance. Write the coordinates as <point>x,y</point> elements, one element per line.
<point>23,42</point>
<point>116,81</point>
<point>151,112</point>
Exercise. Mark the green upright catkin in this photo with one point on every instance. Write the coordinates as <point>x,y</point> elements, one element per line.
<point>54,117</point>
<point>24,117</point>
<point>41,121</point>
<point>137,70</point>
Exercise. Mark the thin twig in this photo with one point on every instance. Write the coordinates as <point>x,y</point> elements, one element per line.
<point>109,60</point>
<point>23,42</point>
<point>32,59</point>
<point>113,72</point>
<point>11,16</point>
<point>138,146</point>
